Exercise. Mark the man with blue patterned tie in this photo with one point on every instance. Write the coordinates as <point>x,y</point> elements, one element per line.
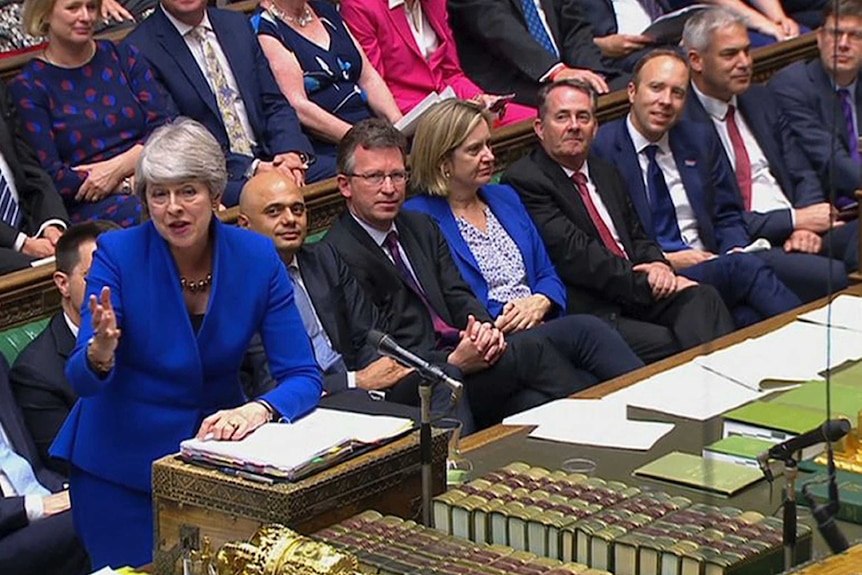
<point>684,192</point>
<point>32,215</point>
<point>514,45</point>
<point>36,531</point>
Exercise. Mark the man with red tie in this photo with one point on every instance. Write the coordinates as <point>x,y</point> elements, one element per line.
<point>610,265</point>
<point>783,199</point>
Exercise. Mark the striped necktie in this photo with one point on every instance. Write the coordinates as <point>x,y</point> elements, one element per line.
<point>225,96</point>
<point>9,211</point>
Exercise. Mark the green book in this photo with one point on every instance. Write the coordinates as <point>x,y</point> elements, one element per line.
<point>705,474</point>
<point>775,422</point>
<point>846,399</point>
<point>739,446</point>
<point>849,492</point>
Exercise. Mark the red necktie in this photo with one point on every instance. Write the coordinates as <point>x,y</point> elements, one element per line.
<point>743,163</point>
<point>604,232</point>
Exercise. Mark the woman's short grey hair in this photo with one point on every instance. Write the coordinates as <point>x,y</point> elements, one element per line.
<point>182,150</point>
<point>699,29</point>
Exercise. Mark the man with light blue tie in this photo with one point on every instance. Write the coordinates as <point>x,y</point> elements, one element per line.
<point>36,531</point>
<point>685,194</point>
<point>514,45</point>
<point>32,215</point>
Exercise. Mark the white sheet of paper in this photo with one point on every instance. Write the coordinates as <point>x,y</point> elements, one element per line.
<point>557,410</point>
<point>796,352</point>
<point>846,312</point>
<point>600,422</point>
<point>688,390</point>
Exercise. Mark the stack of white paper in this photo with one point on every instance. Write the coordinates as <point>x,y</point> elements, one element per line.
<point>845,312</point>
<point>599,422</point>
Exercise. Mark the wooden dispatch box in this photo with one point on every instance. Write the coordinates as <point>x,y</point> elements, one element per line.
<point>190,502</point>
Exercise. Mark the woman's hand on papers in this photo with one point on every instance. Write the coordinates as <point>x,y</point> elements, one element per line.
<point>234,424</point>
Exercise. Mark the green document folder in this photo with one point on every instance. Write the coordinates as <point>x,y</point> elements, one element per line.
<point>705,474</point>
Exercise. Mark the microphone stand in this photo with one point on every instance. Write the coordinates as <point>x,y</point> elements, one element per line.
<point>425,454</point>
<point>789,536</point>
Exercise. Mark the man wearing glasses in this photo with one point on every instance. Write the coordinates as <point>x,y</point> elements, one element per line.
<point>404,265</point>
<point>821,100</point>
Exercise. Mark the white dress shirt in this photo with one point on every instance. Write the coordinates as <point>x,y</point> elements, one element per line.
<point>6,170</point>
<point>631,17</point>
<point>685,217</point>
<point>766,194</point>
<point>32,503</point>
<point>601,208</point>
<point>425,36</point>
<point>197,51</point>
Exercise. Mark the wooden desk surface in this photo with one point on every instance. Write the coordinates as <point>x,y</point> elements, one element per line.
<point>500,445</point>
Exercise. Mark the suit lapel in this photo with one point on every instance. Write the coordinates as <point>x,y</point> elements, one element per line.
<point>398,18</point>
<point>319,289</point>
<point>237,56</point>
<point>64,341</point>
<point>423,267</point>
<point>760,129</point>
<point>613,198</point>
<point>832,102</point>
<point>442,213</point>
<point>175,47</point>
<point>7,148</point>
<point>686,160</point>
<point>551,16</point>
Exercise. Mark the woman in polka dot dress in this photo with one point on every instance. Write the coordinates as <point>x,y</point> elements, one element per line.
<point>87,107</point>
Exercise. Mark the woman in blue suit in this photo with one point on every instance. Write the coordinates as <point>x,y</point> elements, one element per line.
<point>495,244</point>
<point>172,305</point>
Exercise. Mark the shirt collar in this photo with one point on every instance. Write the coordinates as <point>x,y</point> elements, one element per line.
<point>585,170</point>
<point>184,28</point>
<point>850,87</point>
<point>640,142</point>
<point>713,106</point>
<point>376,235</point>
<point>393,4</point>
<point>71,325</point>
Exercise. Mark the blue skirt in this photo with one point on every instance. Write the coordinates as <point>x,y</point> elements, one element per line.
<point>114,522</point>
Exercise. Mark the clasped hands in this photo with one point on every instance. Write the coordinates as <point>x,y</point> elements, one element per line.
<point>480,346</point>
<point>42,246</point>
<point>662,280</point>
<point>288,163</point>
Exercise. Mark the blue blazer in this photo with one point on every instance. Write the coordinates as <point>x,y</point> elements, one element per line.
<point>788,165</point>
<point>812,110</point>
<point>167,378</point>
<point>508,209</point>
<point>709,184</point>
<point>273,121</point>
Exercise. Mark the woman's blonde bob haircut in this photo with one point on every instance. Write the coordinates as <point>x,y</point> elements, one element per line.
<point>441,130</point>
<point>35,16</point>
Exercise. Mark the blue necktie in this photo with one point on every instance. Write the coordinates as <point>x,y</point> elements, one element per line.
<point>327,358</point>
<point>661,205</point>
<point>847,108</point>
<point>535,27</point>
<point>9,211</point>
<point>19,472</point>
<point>652,8</point>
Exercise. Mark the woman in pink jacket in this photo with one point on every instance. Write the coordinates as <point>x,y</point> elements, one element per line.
<point>410,44</point>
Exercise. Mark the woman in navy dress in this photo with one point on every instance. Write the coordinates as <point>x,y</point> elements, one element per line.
<point>321,69</point>
<point>87,107</point>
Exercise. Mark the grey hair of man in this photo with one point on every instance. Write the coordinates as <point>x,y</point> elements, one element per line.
<point>180,151</point>
<point>578,85</point>
<point>370,134</point>
<point>700,27</point>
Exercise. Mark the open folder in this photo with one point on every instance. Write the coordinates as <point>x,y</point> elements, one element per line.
<point>292,451</point>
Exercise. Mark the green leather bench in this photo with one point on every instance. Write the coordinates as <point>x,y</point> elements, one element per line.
<point>13,340</point>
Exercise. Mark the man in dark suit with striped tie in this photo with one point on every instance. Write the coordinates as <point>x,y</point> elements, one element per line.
<point>32,215</point>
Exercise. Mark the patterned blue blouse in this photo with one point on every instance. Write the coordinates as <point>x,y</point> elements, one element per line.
<point>83,115</point>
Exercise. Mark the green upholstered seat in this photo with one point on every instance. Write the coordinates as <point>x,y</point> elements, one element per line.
<point>13,340</point>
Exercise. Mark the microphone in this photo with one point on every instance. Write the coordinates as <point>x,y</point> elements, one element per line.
<point>387,346</point>
<point>831,430</point>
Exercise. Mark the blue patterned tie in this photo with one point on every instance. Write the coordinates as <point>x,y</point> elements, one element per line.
<point>535,27</point>
<point>19,472</point>
<point>9,211</point>
<point>325,356</point>
<point>661,205</point>
<point>847,108</point>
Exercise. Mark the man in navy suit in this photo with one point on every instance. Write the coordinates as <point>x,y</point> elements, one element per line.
<point>211,64</point>
<point>38,377</point>
<point>822,100</point>
<point>36,531</point>
<point>684,193</point>
<point>782,197</point>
